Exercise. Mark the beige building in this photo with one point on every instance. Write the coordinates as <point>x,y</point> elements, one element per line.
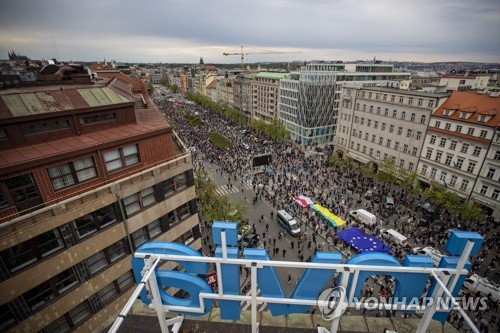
<point>457,145</point>
<point>265,90</point>
<point>377,123</point>
<point>85,179</point>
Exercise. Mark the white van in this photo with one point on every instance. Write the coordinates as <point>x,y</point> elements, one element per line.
<point>395,236</point>
<point>482,286</point>
<point>288,222</point>
<point>431,252</point>
<point>363,216</point>
<point>389,203</point>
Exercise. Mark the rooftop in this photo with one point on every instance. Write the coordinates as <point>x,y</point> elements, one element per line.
<point>408,92</point>
<point>18,102</point>
<point>272,75</point>
<point>472,103</point>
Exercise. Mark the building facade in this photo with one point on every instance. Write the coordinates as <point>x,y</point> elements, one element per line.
<point>265,88</point>
<point>87,174</point>
<point>458,142</point>
<point>376,124</point>
<point>309,100</point>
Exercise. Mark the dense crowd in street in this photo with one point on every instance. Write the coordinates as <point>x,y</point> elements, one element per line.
<point>298,171</point>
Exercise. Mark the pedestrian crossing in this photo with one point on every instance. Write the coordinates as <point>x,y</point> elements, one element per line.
<point>260,307</point>
<point>225,189</point>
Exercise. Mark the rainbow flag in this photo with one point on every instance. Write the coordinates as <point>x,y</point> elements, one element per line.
<point>334,219</point>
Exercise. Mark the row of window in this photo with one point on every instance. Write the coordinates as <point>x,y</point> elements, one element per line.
<point>411,118</point>
<point>405,148</point>
<point>79,171</point>
<point>449,160</point>
<point>494,194</point>
<point>377,155</point>
<point>401,99</point>
<point>453,145</point>
<point>452,182</point>
<point>459,129</point>
<point>38,248</point>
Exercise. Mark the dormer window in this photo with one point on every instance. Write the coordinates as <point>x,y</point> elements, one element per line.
<point>463,115</point>
<point>447,112</point>
<point>483,118</point>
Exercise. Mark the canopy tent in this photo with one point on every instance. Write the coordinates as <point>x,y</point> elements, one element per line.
<point>302,200</point>
<point>334,219</point>
<point>362,241</point>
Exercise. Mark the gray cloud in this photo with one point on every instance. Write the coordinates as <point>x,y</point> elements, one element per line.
<point>179,30</point>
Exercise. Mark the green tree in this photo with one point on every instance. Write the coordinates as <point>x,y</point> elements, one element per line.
<point>471,211</point>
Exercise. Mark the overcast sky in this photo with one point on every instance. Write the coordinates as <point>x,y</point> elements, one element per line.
<point>184,30</point>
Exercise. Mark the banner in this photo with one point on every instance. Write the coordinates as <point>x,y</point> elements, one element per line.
<point>335,220</point>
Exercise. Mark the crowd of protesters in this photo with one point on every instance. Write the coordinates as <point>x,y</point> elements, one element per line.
<point>296,171</point>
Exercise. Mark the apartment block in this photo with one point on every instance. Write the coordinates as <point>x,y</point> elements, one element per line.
<point>378,123</point>
<point>459,148</point>
<point>88,173</point>
<point>265,88</point>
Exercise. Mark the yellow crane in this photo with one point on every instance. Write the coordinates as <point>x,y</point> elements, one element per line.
<point>243,53</point>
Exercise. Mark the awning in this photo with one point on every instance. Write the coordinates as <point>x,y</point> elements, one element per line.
<point>358,158</point>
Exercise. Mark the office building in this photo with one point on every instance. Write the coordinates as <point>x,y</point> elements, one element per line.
<point>88,172</point>
<point>309,100</point>
<point>377,123</point>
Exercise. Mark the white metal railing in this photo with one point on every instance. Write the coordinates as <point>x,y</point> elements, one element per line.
<point>442,276</point>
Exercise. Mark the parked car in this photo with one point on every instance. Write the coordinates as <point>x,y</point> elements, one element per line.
<point>368,194</point>
<point>394,236</point>
<point>431,252</point>
<point>482,286</point>
<point>250,240</point>
<point>363,216</point>
<point>244,230</point>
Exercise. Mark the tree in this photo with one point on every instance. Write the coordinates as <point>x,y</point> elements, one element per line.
<point>471,211</point>
<point>215,206</point>
<point>335,159</point>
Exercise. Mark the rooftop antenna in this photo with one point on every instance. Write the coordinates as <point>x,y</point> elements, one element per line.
<point>54,45</point>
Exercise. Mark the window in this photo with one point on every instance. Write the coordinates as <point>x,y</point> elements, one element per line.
<point>412,117</point>
<point>410,166</point>
<point>443,175</point>
<point>442,142</point>
<point>380,140</point>
<point>483,133</point>
<point>94,221</point>
<point>497,155</point>
<point>400,130</point>
<point>431,104</point>
<point>453,181</point>
<point>102,259</point>
<point>458,129</point>
<point>391,128</point>
<point>140,200</point>
<point>375,124</point>
<point>433,139</point>
<point>410,101</point>
<point>183,211</point>
<point>401,163</point>
<point>429,153</point>
<point>423,172</point>
<point>470,131</point>
<point>80,313</point>
<point>495,193</point>
<point>401,99</point>
<point>422,120</point>
<point>484,189</point>
<point>121,157</point>
<point>39,127</point>
<point>420,101</point>
<point>125,281</point>
<point>383,127</point>
<point>448,159</point>
<point>60,325</point>
<point>465,148</point>
<point>464,185</point>
<point>409,133</point>
<point>491,173</point>
<point>362,121</point>
<point>368,122</point>
<point>386,112</point>
<point>48,290</point>
<point>396,145</point>
<point>415,151</point>
<point>388,144</point>
<point>433,173</point>
<point>453,144</point>
<point>187,238</point>
<point>7,319</point>
<point>419,135</point>
<point>71,173</point>
<point>459,163</point>
<point>373,138</point>
<point>394,114</point>
<point>108,116</point>
<point>146,233</point>
<point>403,115</point>
<point>477,151</point>
<point>471,167</point>
<point>393,98</point>
<point>447,126</point>
<point>439,154</point>
<point>108,293</point>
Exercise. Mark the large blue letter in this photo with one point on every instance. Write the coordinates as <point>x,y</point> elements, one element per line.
<point>187,281</point>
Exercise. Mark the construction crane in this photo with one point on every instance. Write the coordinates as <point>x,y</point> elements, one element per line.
<point>242,53</point>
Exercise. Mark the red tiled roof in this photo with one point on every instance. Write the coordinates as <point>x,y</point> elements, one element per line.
<point>97,66</point>
<point>472,102</point>
<point>209,67</point>
<point>212,84</point>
